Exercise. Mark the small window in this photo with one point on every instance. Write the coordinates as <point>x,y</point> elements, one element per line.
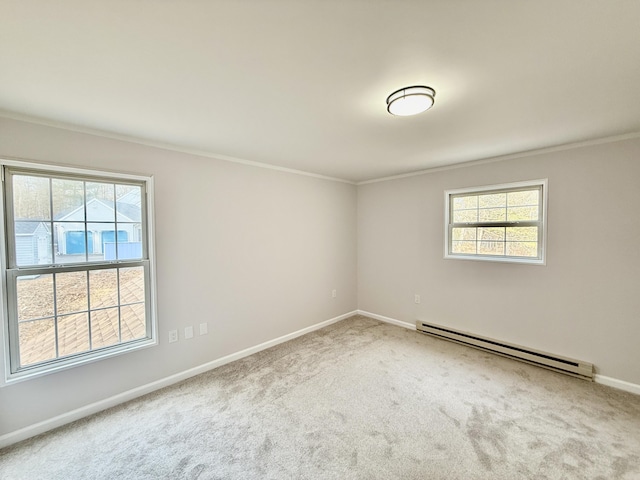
<point>77,267</point>
<point>500,223</point>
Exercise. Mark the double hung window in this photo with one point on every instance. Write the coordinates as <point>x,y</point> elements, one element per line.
<point>77,266</point>
<point>500,222</point>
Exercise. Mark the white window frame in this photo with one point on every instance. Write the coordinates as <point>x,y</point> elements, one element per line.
<point>500,188</point>
<point>15,374</point>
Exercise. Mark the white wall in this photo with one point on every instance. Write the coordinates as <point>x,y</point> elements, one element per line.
<point>585,303</point>
<point>275,244</point>
<point>271,247</point>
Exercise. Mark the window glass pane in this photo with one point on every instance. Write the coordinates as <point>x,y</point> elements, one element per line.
<point>523,198</point>
<point>131,285</point>
<point>35,296</point>
<point>522,214</point>
<point>73,334</point>
<point>37,341</point>
<point>104,241</point>
<point>465,216</point>
<point>33,243</point>
<point>522,234</point>
<point>490,248</point>
<point>133,322</point>
<point>103,288</point>
<point>522,249</point>
<point>100,202</point>
<point>68,200</point>
<point>491,241</point>
<point>105,327</point>
<point>129,203</point>
<point>492,200</point>
<point>463,233</point>
<point>492,215</point>
<point>127,247</point>
<point>71,292</point>
<point>129,241</point>
<point>468,247</point>
<point>31,198</point>
<point>72,243</point>
<point>491,234</point>
<point>465,203</point>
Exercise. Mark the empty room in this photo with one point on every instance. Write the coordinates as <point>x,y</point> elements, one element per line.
<point>320,239</point>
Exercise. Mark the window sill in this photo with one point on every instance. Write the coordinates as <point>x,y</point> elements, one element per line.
<point>30,373</point>
<point>489,258</point>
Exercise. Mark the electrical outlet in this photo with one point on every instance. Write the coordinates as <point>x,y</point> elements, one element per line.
<point>173,336</point>
<point>416,298</point>
<point>204,329</point>
<point>188,332</point>
<point>334,293</point>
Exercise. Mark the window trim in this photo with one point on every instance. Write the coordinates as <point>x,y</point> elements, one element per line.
<point>9,271</point>
<point>542,235</point>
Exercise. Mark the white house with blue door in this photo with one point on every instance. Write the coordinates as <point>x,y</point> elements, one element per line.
<point>105,226</point>
<point>33,243</point>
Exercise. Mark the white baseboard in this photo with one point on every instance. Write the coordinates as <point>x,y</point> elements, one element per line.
<point>51,423</point>
<point>619,384</point>
<point>608,381</point>
<point>392,321</point>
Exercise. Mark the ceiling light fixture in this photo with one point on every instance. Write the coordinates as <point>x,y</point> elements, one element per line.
<point>410,100</point>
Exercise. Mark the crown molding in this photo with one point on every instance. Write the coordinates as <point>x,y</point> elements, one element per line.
<point>164,146</point>
<point>511,156</point>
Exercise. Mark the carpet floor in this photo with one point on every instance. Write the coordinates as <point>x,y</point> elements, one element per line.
<point>359,399</point>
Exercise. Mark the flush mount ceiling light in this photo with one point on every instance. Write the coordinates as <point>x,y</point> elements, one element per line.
<point>410,100</point>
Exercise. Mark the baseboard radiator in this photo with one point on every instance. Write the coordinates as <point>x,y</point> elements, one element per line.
<point>569,366</point>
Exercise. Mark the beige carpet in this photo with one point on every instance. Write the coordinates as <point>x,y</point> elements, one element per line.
<point>356,400</point>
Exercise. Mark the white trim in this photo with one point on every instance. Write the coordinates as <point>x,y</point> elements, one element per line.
<point>82,171</point>
<point>51,423</point>
<point>619,384</point>
<point>4,312</point>
<point>60,365</point>
<point>203,153</point>
<point>510,156</point>
<point>597,378</point>
<point>392,321</point>
<point>164,146</point>
<point>500,186</point>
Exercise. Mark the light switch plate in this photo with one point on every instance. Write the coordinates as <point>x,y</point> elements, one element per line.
<point>188,332</point>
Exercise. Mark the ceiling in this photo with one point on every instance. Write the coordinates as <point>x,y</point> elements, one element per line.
<point>302,84</point>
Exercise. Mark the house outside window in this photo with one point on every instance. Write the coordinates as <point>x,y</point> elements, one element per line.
<point>78,266</point>
<point>504,223</point>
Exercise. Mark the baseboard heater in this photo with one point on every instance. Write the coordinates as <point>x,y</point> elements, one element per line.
<point>569,366</point>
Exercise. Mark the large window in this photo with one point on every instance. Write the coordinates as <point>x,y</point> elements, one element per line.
<point>77,266</point>
<point>499,222</point>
